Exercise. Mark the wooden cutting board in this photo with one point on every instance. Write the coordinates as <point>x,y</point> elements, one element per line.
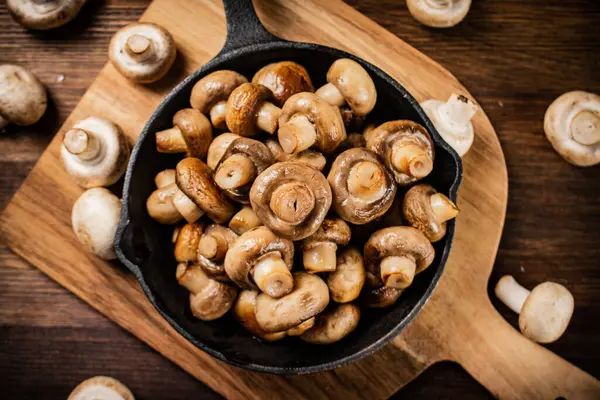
<point>458,323</point>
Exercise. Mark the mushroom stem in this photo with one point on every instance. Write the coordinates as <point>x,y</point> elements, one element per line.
<point>456,113</point>
<point>366,180</point>
<point>319,257</point>
<point>511,293</point>
<point>164,178</point>
<point>585,128</point>
<point>297,135</point>
<point>397,272</point>
<point>139,47</point>
<point>185,206</point>
<point>81,144</point>
<point>244,220</point>
<point>213,247</point>
<point>217,115</point>
<point>193,279</point>
<point>331,95</point>
<point>443,208</point>
<point>237,170</point>
<point>267,118</point>
<point>292,202</point>
<point>170,141</point>
<point>411,160</point>
<point>272,275</point>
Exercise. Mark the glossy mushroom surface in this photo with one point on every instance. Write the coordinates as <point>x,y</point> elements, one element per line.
<point>335,323</point>
<point>212,247</point>
<point>250,111</point>
<point>309,157</point>
<point>284,79</point>
<point>186,240</point>
<point>191,134</point>
<point>348,279</point>
<point>319,249</point>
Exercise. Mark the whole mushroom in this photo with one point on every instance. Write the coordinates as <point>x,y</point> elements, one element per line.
<point>101,388</point>
<point>212,247</point>
<point>397,254</point>
<point>348,279</point>
<point>334,324</point>
<point>284,79</point>
<point>191,134</point>
<point>291,198</point>
<point>210,94</point>
<point>319,249</point>
<point>309,157</point>
<point>241,163</point>
<point>244,220</point>
<point>95,152</point>
<point>427,210</point>
<point>380,297</point>
<point>186,240</point>
<point>209,298</point>
<point>260,259</point>
<point>306,121</point>
<point>142,52</point>
<point>23,99</point>
<point>44,14</point>
<point>363,188</point>
<point>249,110</point>
<point>168,204</point>
<point>544,312</point>
<point>218,147</point>
<point>572,125</point>
<point>406,149</point>
<point>439,13</point>
<point>94,219</point>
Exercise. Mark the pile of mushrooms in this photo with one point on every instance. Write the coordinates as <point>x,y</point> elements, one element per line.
<point>268,221</point>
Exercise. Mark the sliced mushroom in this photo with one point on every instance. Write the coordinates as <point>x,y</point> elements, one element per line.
<point>291,198</point>
<point>210,94</point>
<point>195,181</point>
<point>348,279</point>
<point>23,99</point>
<point>544,312</point>
<point>242,162</point>
<point>396,254</point>
<point>452,120</point>
<point>142,52</point>
<point>333,325</point>
<point>260,259</point>
<point>218,147</point>
<point>248,110</point>
<point>44,14</point>
<point>309,157</point>
<point>101,388</point>
<point>319,249</point>
<point>95,218</point>
<point>309,297</point>
<point>95,152</point>
<point>427,210</point>
<point>244,220</point>
<point>306,121</point>
<point>191,134</point>
<point>214,244</point>
<point>439,13</point>
<point>168,204</point>
<point>209,298</point>
<point>186,240</point>
<point>284,79</point>
<point>572,125</point>
<point>406,149</point>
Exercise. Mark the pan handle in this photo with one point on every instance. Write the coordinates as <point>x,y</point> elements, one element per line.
<point>243,26</point>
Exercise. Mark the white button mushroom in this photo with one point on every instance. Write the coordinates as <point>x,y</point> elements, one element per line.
<point>452,120</point>
<point>544,312</point>
<point>95,152</point>
<point>23,99</point>
<point>44,14</point>
<point>572,125</point>
<point>94,219</point>
<point>101,388</point>
<point>439,13</point>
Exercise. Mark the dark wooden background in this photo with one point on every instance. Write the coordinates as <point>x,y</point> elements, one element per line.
<point>514,56</point>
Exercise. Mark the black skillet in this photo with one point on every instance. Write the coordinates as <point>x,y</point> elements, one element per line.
<point>145,247</point>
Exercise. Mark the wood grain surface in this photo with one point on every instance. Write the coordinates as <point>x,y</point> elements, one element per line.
<point>48,336</point>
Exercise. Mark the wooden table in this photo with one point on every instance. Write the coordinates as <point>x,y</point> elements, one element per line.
<point>514,58</point>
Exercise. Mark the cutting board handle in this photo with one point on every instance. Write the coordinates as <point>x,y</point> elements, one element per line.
<point>243,26</point>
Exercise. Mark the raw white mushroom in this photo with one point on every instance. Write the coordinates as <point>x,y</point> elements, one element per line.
<point>44,14</point>
<point>439,13</point>
<point>23,99</point>
<point>452,120</point>
<point>101,388</point>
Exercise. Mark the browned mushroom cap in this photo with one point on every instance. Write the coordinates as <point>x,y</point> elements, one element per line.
<point>259,258</point>
<point>285,79</point>
<point>218,147</point>
<point>248,110</point>
<point>306,121</point>
<point>196,182</point>
<point>348,279</point>
<point>333,325</point>
<point>212,247</point>
<point>303,327</point>
<point>396,254</point>
<point>210,94</point>
<point>243,311</point>
<point>291,198</point>
<point>243,161</point>
<point>319,249</point>
<point>186,242</point>
<point>244,220</point>
<point>191,133</point>
<point>309,157</point>
<point>363,189</point>
<point>44,14</point>
<point>309,297</point>
<point>405,147</point>
<point>209,299</point>
<point>349,83</point>
<point>380,297</point>
<point>427,210</point>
